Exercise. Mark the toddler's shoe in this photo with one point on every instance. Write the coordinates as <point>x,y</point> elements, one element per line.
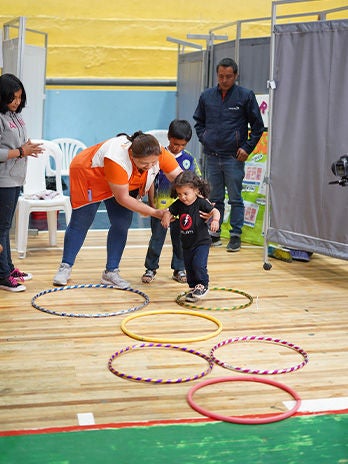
<point>195,294</point>
<point>190,298</point>
<point>200,291</point>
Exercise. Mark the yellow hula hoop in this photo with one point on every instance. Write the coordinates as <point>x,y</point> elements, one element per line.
<point>180,300</point>
<point>171,340</point>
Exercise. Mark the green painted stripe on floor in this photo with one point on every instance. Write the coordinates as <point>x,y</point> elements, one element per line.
<point>299,440</point>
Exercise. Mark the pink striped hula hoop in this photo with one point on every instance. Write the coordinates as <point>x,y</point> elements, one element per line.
<point>255,338</point>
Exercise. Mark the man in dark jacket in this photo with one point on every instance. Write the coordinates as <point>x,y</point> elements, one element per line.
<point>223,116</point>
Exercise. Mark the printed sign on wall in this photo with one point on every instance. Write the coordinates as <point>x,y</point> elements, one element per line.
<point>253,194</point>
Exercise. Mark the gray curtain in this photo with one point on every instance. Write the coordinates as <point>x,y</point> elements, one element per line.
<point>309,132</point>
<point>190,84</point>
<point>253,62</point>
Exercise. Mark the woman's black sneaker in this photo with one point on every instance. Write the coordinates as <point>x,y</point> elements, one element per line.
<point>11,285</point>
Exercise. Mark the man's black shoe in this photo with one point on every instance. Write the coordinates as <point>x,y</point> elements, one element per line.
<point>234,243</point>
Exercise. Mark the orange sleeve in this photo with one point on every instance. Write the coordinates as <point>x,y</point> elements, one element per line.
<point>167,161</point>
<point>114,173</point>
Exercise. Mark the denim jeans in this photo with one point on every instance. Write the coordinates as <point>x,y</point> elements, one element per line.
<point>158,236</point>
<point>8,202</point>
<point>81,220</point>
<point>227,173</point>
<point>196,261</point>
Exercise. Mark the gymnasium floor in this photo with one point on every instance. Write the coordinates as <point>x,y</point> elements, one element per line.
<point>293,302</point>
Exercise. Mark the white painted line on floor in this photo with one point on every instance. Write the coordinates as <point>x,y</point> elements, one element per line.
<point>324,404</point>
<point>85,418</point>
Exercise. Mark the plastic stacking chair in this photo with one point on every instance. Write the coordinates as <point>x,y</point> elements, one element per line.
<point>161,135</point>
<point>34,187</point>
<point>70,148</point>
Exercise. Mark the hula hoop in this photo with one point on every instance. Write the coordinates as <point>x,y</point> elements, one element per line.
<point>255,338</point>
<point>181,301</point>
<point>240,420</point>
<point>172,340</point>
<point>166,381</point>
<point>71,287</point>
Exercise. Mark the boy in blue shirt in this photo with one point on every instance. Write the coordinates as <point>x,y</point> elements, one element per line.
<point>179,134</point>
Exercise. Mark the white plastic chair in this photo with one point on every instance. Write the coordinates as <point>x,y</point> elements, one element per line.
<point>36,183</point>
<point>70,148</point>
<point>161,135</point>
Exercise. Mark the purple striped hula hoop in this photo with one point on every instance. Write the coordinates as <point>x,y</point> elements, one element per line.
<point>256,338</point>
<point>159,381</point>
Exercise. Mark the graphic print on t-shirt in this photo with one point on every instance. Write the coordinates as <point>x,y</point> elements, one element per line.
<point>185,221</point>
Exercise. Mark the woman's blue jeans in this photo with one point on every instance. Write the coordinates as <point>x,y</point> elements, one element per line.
<point>8,202</point>
<point>80,222</point>
<point>227,173</point>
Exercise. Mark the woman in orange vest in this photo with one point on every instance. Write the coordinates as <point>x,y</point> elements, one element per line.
<point>119,172</point>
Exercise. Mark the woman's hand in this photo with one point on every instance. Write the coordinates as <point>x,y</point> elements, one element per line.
<point>167,218</point>
<point>205,215</point>
<point>32,149</point>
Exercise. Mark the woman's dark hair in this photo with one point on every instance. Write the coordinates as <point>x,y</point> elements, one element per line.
<point>9,85</point>
<point>191,179</point>
<point>143,144</point>
<point>180,129</point>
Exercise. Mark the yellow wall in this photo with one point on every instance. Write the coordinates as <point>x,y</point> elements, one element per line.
<point>127,38</point>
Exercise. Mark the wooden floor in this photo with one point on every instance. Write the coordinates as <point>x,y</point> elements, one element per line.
<point>54,368</point>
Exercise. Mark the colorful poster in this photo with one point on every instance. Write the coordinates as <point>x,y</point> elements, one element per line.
<point>253,195</point>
